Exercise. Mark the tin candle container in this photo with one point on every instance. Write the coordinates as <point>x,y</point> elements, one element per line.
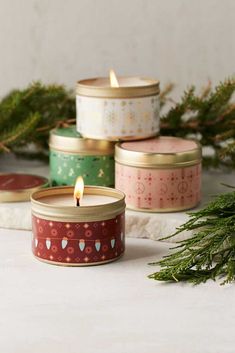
<point>127,112</point>
<point>91,234</point>
<point>17,187</point>
<point>159,175</point>
<point>72,155</point>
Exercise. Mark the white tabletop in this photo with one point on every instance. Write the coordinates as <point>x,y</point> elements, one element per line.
<point>111,308</point>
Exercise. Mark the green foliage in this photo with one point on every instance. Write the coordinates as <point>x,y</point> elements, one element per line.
<point>209,117</point>
<point>26,116</point>
<point>210,253</point>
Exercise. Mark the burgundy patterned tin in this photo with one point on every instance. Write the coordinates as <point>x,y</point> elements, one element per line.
<point>91,234</point>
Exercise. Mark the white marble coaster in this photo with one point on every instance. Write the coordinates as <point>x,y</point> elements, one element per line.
<point>138,224</point>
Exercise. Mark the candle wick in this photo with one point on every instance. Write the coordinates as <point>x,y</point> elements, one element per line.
<point>78,202</point>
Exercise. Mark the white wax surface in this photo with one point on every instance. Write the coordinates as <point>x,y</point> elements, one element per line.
<point>123,82</point>
<point>87,200</point>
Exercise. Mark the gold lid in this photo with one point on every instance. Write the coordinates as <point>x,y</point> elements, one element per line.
<point>159,152</point>
<point>19,187</point>
<point>130,87</point>
<point>69,140</point>
<point>75,214</point>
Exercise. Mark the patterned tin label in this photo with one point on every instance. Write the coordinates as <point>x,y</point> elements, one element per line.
<point>170,189</point>
<point>66,167</point>
<point>80,243</point>
<point>100,117</point>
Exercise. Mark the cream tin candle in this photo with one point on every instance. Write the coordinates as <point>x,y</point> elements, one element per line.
<point>71,155</point>
<point>127,112</point>
<point>159,175</point>
<point>91,234</point>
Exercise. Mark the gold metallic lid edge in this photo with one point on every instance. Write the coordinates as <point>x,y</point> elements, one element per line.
<point>83,88</point>
<point>20,195</point>
<point>160,166</point>
<point>120,138</point>
<point>154,160</point>
<point>81,153</point>
<point>79,218</point>
<point>80,145</point>
<point>82,213</point>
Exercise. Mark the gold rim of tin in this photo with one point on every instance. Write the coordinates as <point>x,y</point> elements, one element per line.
<point>21,195</point>
<point>75,264</point>
<point>115,139</point>
<point>158,160</point>
<point>73,213</point>
<point>76,145</point>
<point>162,210</point>
<point>85,88</point>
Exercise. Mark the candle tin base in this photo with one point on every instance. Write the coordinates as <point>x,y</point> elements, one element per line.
<point>121,138</point>
<point>96,170</point>
<point>76,264</point>
<point>78,236</point>
<point>78,243</point>
<point>167,190</point>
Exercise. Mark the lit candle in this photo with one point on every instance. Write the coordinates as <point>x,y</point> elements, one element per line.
<point>78,190</point>
<point>123,108</point>
<point>113,79</point>
<point>90,234</point>
<point>87,200</point>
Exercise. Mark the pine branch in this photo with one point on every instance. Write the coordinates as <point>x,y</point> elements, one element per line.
<point>209,117</point>
<point>210,253</point>
<point>20,132</point>
<point>53,103</point>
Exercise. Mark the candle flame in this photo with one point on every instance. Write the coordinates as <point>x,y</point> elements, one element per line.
<point>113,79</point>
<point>78,190</point>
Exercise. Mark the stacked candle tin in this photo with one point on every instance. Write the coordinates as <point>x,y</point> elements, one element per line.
<point>127,112</point>
<point>152,173</point>
<point>72,155</point>
<point>157,174</point>
<point>161,174</point>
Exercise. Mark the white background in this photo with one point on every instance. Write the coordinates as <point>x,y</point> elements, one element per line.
<point>184,41</point>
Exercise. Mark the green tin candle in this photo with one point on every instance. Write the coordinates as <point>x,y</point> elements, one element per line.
<point>72,155</point>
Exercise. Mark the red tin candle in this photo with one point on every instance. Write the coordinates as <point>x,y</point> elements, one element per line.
<point>66,234</point>
<point>159,175</point>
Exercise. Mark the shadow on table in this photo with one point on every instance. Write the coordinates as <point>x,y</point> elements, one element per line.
<point>140,251</point>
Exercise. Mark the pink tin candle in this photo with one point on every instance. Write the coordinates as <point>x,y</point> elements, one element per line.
<point>161,174</point>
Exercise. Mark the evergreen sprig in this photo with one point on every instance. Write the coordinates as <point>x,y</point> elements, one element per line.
<point>27,116</point>
<point>209,117</point>
<point>210,252</point>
